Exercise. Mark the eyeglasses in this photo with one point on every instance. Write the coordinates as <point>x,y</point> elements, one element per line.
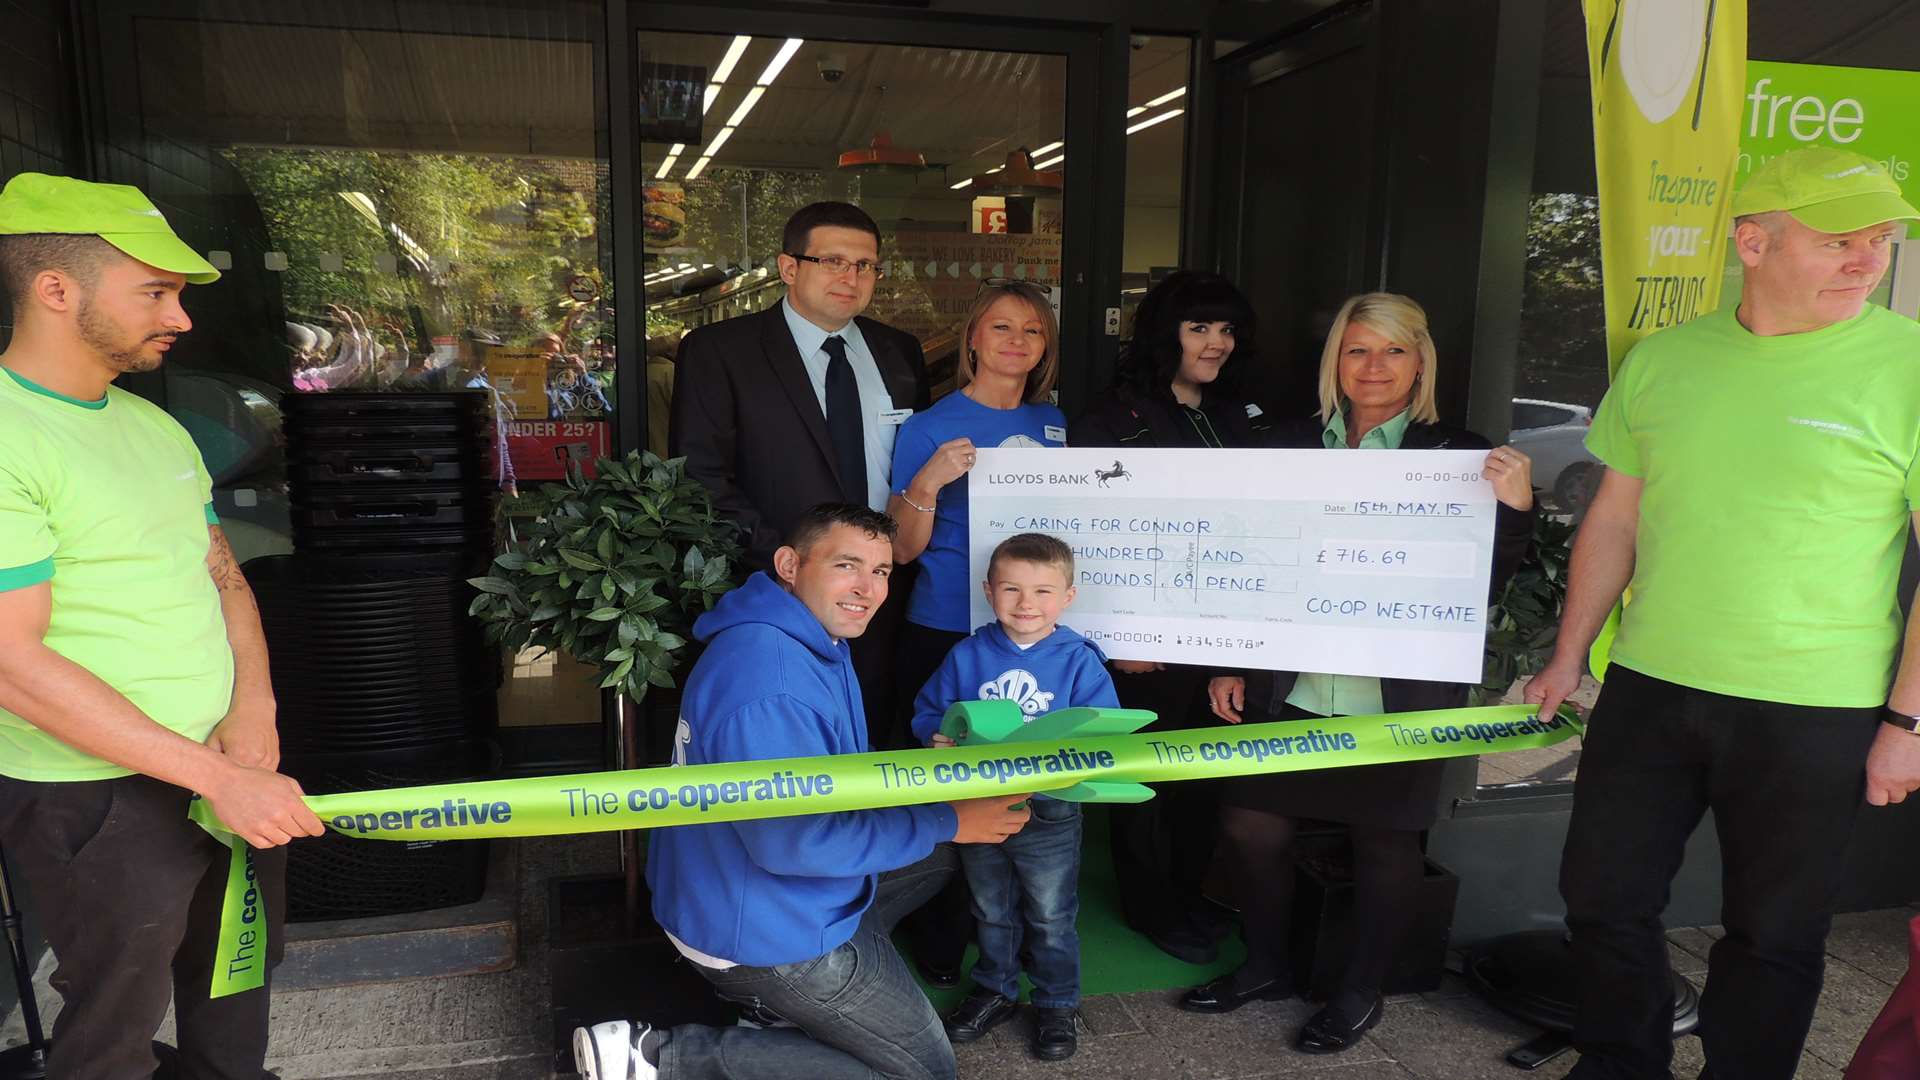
<point>834,264</point>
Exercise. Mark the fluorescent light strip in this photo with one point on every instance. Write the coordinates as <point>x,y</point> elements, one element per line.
<point>968,182</point>
<point>673,156</point>
<point>706,102</point>
<point>1145,124</point>
<point>1050,162</point>
<point>734,52</point>
<point>1136,111</point>
<point>779,61</point>
<point>1047,149</point>
<point>698,168</point>
<point>1166,97</point>
<point>718,141</point>
<point>746,106</point>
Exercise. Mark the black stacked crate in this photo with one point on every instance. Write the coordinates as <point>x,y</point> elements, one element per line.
<point>383,679</point>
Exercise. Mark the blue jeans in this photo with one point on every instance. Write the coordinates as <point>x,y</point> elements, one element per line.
<point>1027,891</point>
<point>857,1011</point>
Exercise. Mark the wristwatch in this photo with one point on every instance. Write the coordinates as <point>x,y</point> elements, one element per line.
<point>1894,718</point>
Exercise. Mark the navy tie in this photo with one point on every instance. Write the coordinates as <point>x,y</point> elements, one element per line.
<point>843,422</point>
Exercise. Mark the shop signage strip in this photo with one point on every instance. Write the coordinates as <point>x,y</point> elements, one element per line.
<point>747,790</point>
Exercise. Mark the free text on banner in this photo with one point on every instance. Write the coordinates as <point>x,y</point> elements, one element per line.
<point>1366,562</point>
<point>746,790</point>
<point>1667,78</point>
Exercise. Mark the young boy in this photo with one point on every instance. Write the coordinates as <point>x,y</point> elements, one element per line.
<point>1026,891</point>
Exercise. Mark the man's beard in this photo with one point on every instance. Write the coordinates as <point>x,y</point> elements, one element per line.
<point>103,337</point>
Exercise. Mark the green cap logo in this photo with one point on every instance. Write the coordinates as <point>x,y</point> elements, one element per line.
<point>1827,190</point>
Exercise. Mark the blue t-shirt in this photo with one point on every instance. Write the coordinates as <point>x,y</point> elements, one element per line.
<point>943,594</point>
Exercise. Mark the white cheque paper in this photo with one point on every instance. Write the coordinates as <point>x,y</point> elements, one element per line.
<point>1353,562</point>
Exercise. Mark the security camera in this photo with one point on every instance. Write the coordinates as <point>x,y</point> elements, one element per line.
<point>833,67</point>
<point>1138,41</point>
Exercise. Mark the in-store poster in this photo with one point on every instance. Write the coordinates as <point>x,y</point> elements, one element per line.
<point>541,449</point>
<point>520,377</point>
<point>934,274</point>
<point>1668,80</point>
<point>1869,111</point>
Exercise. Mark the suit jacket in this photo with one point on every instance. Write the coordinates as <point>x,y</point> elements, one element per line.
<point>746,419</point>
<point>1512,533</point>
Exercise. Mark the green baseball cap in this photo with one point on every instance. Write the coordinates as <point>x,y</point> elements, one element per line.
<point>1827,190</point>
<point>116,213</point>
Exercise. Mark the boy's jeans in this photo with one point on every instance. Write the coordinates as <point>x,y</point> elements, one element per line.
<point>1026,891</point>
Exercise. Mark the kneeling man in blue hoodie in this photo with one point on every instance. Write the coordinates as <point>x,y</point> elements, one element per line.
<point>789,917</point>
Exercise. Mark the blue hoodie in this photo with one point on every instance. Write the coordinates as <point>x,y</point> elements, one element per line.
<point>773,684</point>
<point>1060,671</point>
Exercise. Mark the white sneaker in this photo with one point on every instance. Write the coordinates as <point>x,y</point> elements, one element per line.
<point>611,1051</point>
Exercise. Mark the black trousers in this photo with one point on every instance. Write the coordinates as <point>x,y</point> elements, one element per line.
<point>1785,783</point>
<point>128,893</point>
<point>1163,848</point>
<point>942,928</point>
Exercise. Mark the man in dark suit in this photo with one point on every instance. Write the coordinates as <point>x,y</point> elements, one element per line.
<point>798,405</point>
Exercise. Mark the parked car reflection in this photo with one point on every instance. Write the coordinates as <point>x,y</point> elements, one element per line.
<point>1553,433</point>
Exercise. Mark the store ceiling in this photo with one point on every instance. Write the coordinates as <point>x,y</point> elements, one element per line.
<point>226,83</point>
<point>1852,33</point>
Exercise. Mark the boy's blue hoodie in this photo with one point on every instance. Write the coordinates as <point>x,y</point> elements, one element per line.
<point>773,684</point>
<point>1060,671</point>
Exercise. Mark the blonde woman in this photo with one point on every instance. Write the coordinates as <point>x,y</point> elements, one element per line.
<point>1008,363</point>
<point>1377,376</point>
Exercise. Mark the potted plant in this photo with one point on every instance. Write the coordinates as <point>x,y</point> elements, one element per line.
<point>613,572</point>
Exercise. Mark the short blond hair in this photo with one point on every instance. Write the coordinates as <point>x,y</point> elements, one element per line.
<point>1399,318</point>
<point>1041,379</point>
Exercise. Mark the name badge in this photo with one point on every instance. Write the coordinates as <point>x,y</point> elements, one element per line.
<point>1056,433</point>
<point>894,417</point>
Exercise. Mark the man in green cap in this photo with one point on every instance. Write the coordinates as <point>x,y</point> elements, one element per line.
<point>1762,471</point>
<point>133,670</point>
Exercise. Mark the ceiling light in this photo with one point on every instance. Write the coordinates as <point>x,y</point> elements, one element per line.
<point>1051,162</point>
<point>667,166</point>
<point>1145,124</point>
<point>1166,97</point>
<point>1136,111</point>
<point>964,183</point>
<point>698,167</point>
<point>779,61</point>
<point>732,57</point>
<point>713,91</point>
<point>718,141</point>
<point>746,106</point>
<point>1050,147</point>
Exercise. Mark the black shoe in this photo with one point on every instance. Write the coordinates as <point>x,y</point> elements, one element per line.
<point>1054,1035</point>
<point>944,978</point>
<point>981,1012</point>
<point>1331,1030</point>
<point>1219,996</point>
<point>1185,941</point>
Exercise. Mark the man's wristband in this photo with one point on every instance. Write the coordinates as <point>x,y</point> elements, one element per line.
<point>1894,718</point>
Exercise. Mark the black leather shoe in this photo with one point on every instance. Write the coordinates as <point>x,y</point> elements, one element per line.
<point>1185,941</point>
<point>1331,1030</point>
<point>1219,996</point>
<point>981,1012</point>
<point>1054,1035</point>
<point>944,978</point>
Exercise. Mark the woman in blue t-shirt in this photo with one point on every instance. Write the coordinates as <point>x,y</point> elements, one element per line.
<point>1008,362</point>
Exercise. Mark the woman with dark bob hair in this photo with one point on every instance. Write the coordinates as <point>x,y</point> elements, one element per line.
<point>1178,386</point>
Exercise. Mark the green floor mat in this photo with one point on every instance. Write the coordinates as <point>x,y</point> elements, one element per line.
<point>1113,958</point>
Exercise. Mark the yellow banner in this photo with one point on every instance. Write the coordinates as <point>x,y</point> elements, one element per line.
<point>1668,87</point>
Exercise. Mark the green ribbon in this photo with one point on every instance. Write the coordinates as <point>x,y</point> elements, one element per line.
<point>1071,754</point>
<point>240,958</point>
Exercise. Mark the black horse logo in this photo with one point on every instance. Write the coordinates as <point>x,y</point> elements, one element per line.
<point>1118,472</point>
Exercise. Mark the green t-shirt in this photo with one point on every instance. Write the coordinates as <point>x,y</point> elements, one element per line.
<point>109,501</point>
<point>1348,695</point>
<point>1780,475</point>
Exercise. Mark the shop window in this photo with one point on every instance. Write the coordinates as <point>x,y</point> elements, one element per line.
<point>958,154</point>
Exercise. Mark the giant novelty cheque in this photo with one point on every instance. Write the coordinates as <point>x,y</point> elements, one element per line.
<point>1366,562</point>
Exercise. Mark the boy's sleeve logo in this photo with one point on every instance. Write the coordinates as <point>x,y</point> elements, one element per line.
<point>1021,687</point>
<point>682,735</point>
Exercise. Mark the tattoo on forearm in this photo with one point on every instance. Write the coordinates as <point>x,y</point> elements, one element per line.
<point>222,565</point>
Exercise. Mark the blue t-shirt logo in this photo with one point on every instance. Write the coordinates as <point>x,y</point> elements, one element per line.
<point>1020,686</point>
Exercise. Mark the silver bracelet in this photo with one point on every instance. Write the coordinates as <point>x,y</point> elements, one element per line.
<point>915,505</point>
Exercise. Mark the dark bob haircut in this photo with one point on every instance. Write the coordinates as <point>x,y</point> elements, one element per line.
<point>1153,357</point>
